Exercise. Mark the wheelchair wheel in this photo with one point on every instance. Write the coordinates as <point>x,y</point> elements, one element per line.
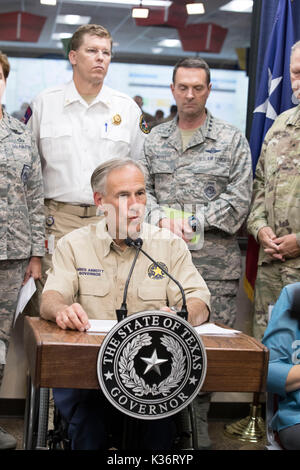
<point>36,418</point>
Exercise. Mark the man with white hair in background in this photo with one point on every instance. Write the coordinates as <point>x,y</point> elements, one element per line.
<point>274,219</point>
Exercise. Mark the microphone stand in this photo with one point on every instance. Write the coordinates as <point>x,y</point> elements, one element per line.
<point>122,311</point>
<point>183,312</point>
<point>137,244</point>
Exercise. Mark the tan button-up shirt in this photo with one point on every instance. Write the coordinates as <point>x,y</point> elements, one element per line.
<point>89,268</point>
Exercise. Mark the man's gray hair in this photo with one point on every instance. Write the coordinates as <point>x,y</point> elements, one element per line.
<point>99,176</point>
<point>295,46</point>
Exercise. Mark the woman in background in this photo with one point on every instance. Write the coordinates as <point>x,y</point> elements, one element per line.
<point>21,221</point>
<point>282,338</point>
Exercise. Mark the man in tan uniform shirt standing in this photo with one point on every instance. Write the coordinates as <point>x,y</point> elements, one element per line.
<point>90,268</point>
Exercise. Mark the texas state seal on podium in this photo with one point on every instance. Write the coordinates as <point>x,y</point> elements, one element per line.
<point>151,364</point>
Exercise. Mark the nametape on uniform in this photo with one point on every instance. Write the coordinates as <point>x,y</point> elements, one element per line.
<point>90,272</point>
<point>50,244</point>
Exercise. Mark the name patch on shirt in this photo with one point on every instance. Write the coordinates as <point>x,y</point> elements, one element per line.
<point>90,272</point>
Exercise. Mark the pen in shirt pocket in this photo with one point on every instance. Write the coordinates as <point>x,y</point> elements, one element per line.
<point>105,125</point>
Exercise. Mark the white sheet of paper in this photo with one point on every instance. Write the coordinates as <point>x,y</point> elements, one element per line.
<point>212,329</point>
<point>101,326</point>
<point>25,295</point>
<point>104,326</point>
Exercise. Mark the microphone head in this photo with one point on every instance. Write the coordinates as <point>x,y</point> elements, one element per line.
<point>136,243</point>
<point>129,241</point>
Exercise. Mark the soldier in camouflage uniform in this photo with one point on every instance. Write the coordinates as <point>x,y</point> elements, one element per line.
<point>274,219</point>
<point>202,164</point>
<point>21,221</point>
<point>210,176</point>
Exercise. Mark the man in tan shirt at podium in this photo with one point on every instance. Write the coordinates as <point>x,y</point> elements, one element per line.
<point>90,269</point>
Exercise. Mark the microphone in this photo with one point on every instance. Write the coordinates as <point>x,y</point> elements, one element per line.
<point>137,244</point>
<point>122,311</point>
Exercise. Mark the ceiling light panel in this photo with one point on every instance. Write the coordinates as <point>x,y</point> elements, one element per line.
<point>132,3</point>
<point>157,50</point>
<point>58,36</point>
<point>195,8</point>
<point>72,19</point>
<point>48,2</point>
<point>241,6</point>
<point>169,43</point>
<point>140,12</point>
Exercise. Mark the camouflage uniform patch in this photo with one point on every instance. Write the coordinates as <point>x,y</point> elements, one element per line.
<point>143,125</point>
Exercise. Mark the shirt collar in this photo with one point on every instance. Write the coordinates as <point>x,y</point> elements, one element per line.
<point>208,129</point>
<point>72,95</point>
<point>103,234</point>
<point>10,124</point>
<point>294,118</point>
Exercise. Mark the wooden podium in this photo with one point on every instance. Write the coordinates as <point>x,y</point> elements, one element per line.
<point>68,359</point>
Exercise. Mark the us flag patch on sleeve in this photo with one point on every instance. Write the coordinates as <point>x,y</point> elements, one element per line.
<point>143,125</point>
<point>27,115</point>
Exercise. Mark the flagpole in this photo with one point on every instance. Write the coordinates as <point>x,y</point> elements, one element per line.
<point>252,427</point>
<point>254,40</point>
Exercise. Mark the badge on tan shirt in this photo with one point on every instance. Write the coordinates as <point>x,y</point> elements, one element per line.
<point>154,272</point>
<point>116,119</point>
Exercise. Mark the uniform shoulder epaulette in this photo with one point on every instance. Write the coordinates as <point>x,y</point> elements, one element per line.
<point>27,115</point>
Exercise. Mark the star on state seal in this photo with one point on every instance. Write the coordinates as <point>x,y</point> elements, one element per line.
<point>151,365</point>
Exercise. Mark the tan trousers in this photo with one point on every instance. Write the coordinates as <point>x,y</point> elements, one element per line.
<point>61,219</point>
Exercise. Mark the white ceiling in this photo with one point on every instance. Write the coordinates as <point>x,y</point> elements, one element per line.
<point>132,43</point>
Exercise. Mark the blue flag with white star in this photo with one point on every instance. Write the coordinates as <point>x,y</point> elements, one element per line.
<point>274,92</point>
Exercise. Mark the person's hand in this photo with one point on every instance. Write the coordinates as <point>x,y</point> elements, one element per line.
<point>167,309</point>
<point>266,238</point>
<point>72,317</point>
<point>180,227</point>
<point>288,246</point>
<point>33,269</point>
